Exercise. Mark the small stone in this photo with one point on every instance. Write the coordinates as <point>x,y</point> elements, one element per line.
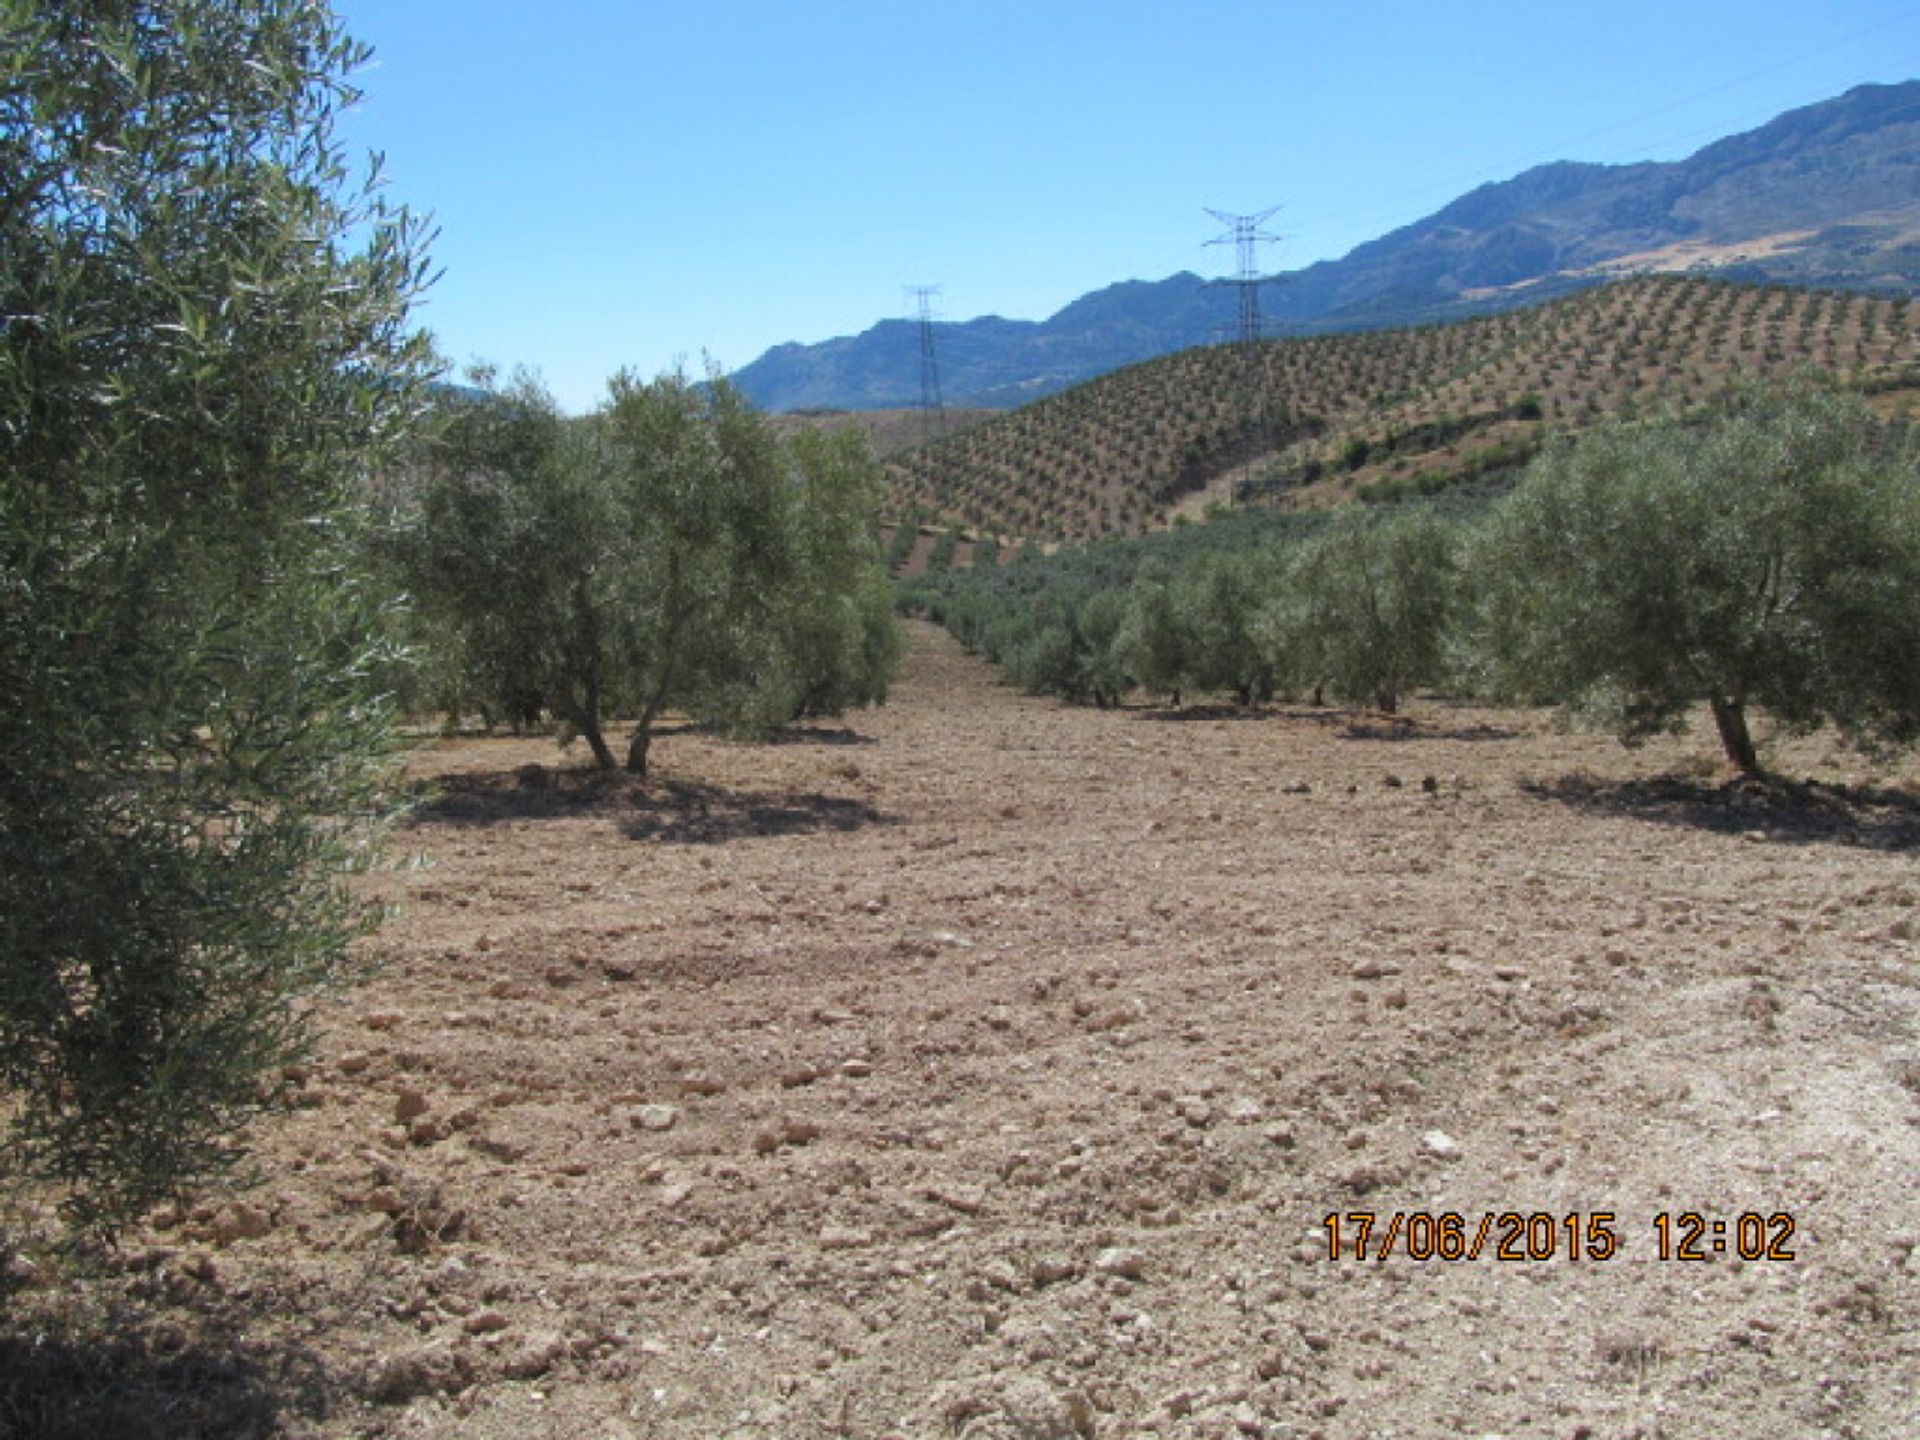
<point>1244,1110</point>
<point>656,1117</point>
<point>967,1199</point>
<point>1509,972</point>
<point>1441,1145</point>
<point>856,1069</point>
<point>675,1193</point>
<point>1194,1110</point>
<point>1127,1264</point>
<point>1282,1136</point>
<point>1374,969</point>
<point>409,1105</point>
<point>1052,1269</point>
<point>844,1237</point>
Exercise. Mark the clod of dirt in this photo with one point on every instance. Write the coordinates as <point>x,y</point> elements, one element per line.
<point>539,1353</point>
<point>404,1375</point>
<point>789,1131</point>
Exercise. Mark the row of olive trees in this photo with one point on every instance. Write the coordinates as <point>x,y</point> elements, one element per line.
<point>669,550</point>
<point>1357,609</point>
<point>1766,556</point>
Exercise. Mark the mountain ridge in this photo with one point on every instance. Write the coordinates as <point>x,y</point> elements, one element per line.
<point>1824,195</point>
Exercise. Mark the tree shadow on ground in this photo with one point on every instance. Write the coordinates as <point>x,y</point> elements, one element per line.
<point>688,812</point>
<point>1374,726</point>
<point>1270,713</point>
<point>818,735</point>
<point>133,1376</point>
<point>1353,724</point>
<point>1770,808</point>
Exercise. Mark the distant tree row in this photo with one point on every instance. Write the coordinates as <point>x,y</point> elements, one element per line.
<point>668,551</point>
<point>1766,555</point>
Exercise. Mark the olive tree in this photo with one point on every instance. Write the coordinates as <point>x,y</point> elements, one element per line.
<point>668,551</point>
<point>1362,608</point>
<point>1218,597</point>
<point>204,347</point>
<point>492,530</point>
<point>839,643</point>
<point>1767,555</point>
<point>1155,642</point>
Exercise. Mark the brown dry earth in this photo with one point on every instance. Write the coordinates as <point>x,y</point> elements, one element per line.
<point>988,1068</point>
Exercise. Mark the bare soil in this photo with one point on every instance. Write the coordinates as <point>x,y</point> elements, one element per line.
<point>980,1067</point>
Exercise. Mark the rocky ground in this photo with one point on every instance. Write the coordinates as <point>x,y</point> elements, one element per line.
<point>985,1068</point>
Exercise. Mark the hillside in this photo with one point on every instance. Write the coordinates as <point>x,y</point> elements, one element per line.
<point>1379,412</point>
<point>1827,195</point>
<point>889,432</point>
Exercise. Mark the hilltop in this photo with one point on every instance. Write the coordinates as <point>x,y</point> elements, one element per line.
<point>1825,196</point>
<point>1376,413</point>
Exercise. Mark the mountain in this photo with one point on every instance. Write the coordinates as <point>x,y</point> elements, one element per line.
<point>1827,195</point>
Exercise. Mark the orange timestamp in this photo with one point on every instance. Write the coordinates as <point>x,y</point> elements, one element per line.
<point>1520,1236</point>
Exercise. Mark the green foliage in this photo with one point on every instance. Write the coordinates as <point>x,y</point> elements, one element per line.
<point>1363,607</point>
<point>1769,556</point>
<point>1155,640</point>
<point>1217,601</point>
<point>840,645</point>
<point>496,528</point>
<point>669,550</point>
<point>204,348</point>
<point>941,557</point>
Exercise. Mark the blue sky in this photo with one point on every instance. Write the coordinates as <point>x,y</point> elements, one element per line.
<point>644,184</point>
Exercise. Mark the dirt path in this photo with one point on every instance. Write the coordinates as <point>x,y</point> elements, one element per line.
<point>988,1068</point>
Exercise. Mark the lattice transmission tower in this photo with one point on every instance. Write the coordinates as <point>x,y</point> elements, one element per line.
<point>1246,236</point>
<point>933,411</point>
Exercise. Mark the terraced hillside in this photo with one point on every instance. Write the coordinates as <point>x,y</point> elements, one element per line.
<point>1315,421</point>
<point>888,431</point>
